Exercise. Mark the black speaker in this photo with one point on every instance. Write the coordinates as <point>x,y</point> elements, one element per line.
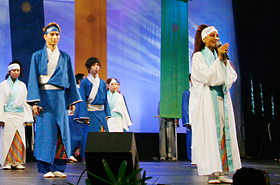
<point>114,147</point>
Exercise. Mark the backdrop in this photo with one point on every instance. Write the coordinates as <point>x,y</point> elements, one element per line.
<point>133,36</point>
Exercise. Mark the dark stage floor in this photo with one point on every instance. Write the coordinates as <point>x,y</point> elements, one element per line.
<point>178,172</point>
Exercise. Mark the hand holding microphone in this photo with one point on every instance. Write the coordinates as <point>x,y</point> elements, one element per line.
<point>222,50</point>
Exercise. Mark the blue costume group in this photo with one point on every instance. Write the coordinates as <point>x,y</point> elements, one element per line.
<point>53,120</point>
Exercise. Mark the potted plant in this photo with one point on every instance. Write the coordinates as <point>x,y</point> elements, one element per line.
<point>120,179</point>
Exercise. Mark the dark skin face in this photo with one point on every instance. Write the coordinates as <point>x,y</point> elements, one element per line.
<point>14,74</point>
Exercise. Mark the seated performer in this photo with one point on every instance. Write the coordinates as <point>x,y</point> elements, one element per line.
<point>52,90</point>
<point>120,120</point>
<point>14,114</point>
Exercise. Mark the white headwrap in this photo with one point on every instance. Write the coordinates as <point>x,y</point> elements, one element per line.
<point>207,31</point>
<point>13,66</point>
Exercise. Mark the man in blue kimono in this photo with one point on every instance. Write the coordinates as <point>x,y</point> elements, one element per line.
<point>52,90</point>
<point>94,109</point>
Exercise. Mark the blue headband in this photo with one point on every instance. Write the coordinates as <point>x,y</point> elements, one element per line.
<point>51,29</point>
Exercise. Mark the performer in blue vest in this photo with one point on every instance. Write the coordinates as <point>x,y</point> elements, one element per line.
<point>52,90</point>
<point>94,109</point>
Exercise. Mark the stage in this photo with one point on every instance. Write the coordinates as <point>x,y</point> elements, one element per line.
<point>163,172</point>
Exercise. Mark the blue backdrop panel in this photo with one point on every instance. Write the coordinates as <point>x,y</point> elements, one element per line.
<point>133,48</point>
<point>26,22</point>
<point>63,13</point>
<point>5,37</point>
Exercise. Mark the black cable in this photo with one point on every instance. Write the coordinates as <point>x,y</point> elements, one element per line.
<point>81,176</point>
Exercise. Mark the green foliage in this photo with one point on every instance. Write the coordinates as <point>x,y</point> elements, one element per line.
<point>121,179</point>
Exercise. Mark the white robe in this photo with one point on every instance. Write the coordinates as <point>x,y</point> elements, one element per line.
<point>13,121</point>
<point>117,124</point>
<point>205,150</point>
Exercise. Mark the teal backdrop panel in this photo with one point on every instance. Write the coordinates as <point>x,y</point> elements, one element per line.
<point>174,57</point>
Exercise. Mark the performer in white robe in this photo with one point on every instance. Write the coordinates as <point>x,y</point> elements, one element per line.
<point>118,90</point>
<point>120,120</point>
<point>211,111</point>
<point>14,114</point>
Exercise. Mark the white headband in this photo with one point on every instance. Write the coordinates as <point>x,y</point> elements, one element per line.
<point>13,66</point>
<point>207,31</point>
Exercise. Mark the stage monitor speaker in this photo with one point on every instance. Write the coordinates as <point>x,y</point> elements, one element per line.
<point>114,147</point>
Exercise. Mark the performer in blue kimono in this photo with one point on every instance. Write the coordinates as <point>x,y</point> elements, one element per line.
<point>94,109</point>
<point>52,90</point>
<point>185,119</point>
<point>76,128</point>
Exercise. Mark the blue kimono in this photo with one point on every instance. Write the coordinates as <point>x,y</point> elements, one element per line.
<point>55,102</point>
<point>97,118</point>
<point>76,131</point>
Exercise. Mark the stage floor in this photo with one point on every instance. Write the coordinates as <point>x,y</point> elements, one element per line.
<point>163,172</point>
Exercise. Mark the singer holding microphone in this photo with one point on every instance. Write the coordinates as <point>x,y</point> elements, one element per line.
<point>214,142</point>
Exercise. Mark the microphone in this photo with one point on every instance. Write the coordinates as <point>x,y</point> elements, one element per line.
<point>225,55</point>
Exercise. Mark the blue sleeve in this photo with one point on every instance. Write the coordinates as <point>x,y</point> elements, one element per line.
<point>77,110</point>
<point>82,111</point>
<point>33,82</point>
<point>106,104</point>
<point>185,107</point>
<point>72,93</point>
